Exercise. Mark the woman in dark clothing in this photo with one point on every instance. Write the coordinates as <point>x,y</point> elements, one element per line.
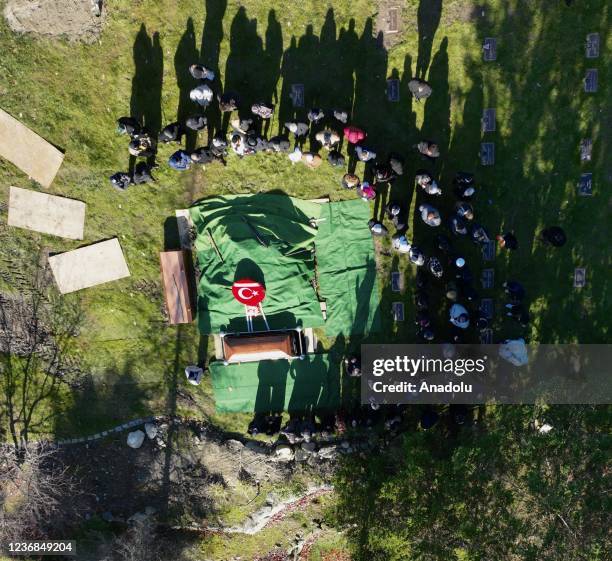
<point>514,290</point>
<point>170,133</point>
<point>507,240</point>
<point>196,122</point>
<point>554,235</point>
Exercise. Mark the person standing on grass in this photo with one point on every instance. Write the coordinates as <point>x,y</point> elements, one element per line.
<point>180,161</point>
<point>366,191</point>
<point>120,180</point>
<point>328,138</point>
<point>427,183</point>
<point>202,95</point>
<point>196,122</point>
<point>228,101</point>
<point>377,228</point>
<point>554,235</point>
<point>350,181</point>
<point>262,110</point>
<point>129,126</point>
<point>299,129</point>
<point>336,159</point>
<point>514,290</point>
<point>465,210</point>
<point>170,133</point>
<point>429,149</point>
<point>200,72</point>
<point>364,154</point>
<point>354,134</point>
<point>315,115</point>
<point>430,215</point>
<point>507,240</point>
<point>142,174</point>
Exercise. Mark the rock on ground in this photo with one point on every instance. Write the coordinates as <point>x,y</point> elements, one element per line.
<point>151,430</point>
<point>135,439</point>
<point>76,20</point>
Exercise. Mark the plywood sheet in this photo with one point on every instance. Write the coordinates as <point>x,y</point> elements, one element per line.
<point>89,266</point>
<point>31,153</point>
<point>47,214</point>
<point>176,286</point>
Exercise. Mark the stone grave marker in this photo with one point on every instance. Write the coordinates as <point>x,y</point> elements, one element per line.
<point>488,120</point>
<point>590,80</point>
<point>297,95</point>
<point>486,337</point>
<point>393,90</point>
<point>489,49</point>
<point>585,186</point>
<point>397,309</point>
<point>592,45</point>
<point>488,278</point>
<point>487,153</point>
<point>586,149</point>
<point>488,250</point>
<point>393,20</point>
<point>396,279</point>
<point>579,278</point>
<point>487,308</point>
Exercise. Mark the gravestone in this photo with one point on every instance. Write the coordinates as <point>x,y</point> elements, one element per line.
<point>488,250</point>
<point>297,95</point>
<point>489,48</point>
<point>487,153</point>
<point>592,45</point>
<point>393,20</point>
<point>397,309</point>
<point>590,80</point>
<point>396,281</point>
<point>486,337</point>
<point>488,278</point>
<point>579,278</point>
<point>488,120</point>
<point>585,186</point>
<point>586,149</point>
<point>487,308</point>
<point>393,90</point>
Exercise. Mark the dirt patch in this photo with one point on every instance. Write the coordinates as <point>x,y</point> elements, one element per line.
<point>75,20</point>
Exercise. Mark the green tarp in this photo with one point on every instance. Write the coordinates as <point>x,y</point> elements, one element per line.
<point>277,385</point>
<point>285,266</point>
<point>227,249</point>
<point>346,269</point>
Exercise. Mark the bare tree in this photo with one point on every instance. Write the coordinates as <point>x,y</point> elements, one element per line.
<point>36,327</point>
<point>34,487</point>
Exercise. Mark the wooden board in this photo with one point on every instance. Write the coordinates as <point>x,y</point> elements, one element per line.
<point>176,286</point>
<point>89,266</point>
<point>47,214</point>
<point>29,152</point>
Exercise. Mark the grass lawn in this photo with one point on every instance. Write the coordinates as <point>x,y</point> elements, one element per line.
<point>71,94</point>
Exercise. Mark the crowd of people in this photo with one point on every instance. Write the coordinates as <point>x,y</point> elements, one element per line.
<point>446,266</point>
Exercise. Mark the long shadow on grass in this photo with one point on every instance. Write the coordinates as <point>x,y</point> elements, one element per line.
<point>428,17</point>
<point>145,103</point>
<point>186,54</point>
<point>212,36</point>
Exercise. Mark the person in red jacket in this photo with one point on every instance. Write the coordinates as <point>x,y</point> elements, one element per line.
<point>354,134</point>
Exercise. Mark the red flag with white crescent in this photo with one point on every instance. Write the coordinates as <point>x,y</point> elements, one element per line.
<point>248,292</point>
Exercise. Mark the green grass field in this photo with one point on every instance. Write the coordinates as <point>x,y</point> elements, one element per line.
<point>71,94</point>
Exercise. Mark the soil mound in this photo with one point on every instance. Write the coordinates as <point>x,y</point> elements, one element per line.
<point>75,20</point>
